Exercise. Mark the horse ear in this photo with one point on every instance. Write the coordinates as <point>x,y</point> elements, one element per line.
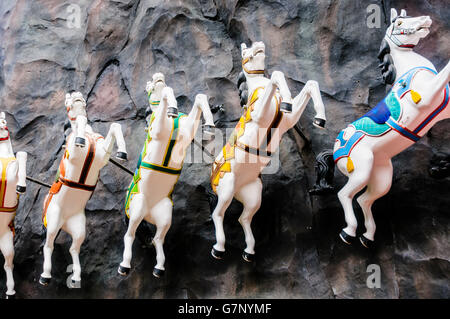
<point>403,13</point>
<point>394,14</point>
<point>2,115</point>
<point>243,47</point>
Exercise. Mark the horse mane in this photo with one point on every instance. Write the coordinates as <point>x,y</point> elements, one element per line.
<point>386,63</point>
<point>243,89</point>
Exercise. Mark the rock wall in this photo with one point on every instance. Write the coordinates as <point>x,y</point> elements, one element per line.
<point>119,45</point>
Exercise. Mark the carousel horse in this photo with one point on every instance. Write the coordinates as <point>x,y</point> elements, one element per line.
<point>12,186</point>
<point>86,152</point>
<point>417,100</point>
<point>268,114</point>
<point>169,134</point>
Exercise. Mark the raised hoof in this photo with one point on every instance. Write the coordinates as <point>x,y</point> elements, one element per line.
<point>158,273</point>
<point>123,271</point>
<point>122,156</point>
<point>44,281</point>
<point>320,123</point>
<point>172,111</point>
<point>81,142</point>
<point>346,238</point>
<point>217,254</point>
<point>286,107</point>
<point>367,243</point>
<point>21,189</point>
<point>208,129</point>
<point>248,257</point>
<point>10,296</point>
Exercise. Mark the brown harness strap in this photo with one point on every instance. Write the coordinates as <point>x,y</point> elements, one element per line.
<point>88,161</point>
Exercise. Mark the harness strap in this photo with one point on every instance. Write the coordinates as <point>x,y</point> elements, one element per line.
<point>5,163</point>
<point>402,130</point>
<point>88,161</point>
<point>73,184</point>
<point>159,168</point>
<point>250,71</point>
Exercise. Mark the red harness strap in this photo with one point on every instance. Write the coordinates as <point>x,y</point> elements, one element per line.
<point>56,187</point>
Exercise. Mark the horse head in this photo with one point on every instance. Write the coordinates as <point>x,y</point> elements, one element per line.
<point>4,132</point>
<point>406,31</point>
<point>253,58</point>
<point>75,105</point>
<point>155,89</point>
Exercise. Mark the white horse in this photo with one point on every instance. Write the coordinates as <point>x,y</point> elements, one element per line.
<point>86,152</point>
<point>168,136</point>
<point>269,113</point>
<point>13,178</point>
<point>418,99</point>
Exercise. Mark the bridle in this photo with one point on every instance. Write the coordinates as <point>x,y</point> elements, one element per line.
<point>244,62</point>
<point>5,138</point>
<point>400,31</point>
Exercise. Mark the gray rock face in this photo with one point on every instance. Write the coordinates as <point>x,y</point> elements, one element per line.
<point>110,57</point>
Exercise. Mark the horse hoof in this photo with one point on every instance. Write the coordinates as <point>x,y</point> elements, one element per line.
<point>21,189</point>
<point>248,257</point>
<point>44,281</point>
<point>367,243</point>
<point>217,254</point>
<point>286,107</point>
<point>80,141</point>
<point>123,271</point>
<point>172,111</point>
<point>10,296</point>
<point>346,238</point>
<point>208,129</point>
<point>158,273</point>
<point>320,123</point>
<point>122,156</point>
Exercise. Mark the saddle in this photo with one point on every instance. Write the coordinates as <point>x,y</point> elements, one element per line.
<point>80,184</point>
<point>163,168</point>
<point>223,165</point>
<point>385,116</point>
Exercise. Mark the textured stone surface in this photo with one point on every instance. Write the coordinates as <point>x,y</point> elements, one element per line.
<point>117,48</point>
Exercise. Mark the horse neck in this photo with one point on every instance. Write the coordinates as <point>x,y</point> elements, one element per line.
<point>6,148</point>
<point>406,59</point>
<point>155,96</point>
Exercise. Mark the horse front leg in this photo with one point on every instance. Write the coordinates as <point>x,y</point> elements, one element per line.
<point>310,90</point>
<point>286,99</point>
<point>81,122</point>
<point>115,135</point>
<point>21,172</point>
<point>7,249</point>
<point>431,89</point>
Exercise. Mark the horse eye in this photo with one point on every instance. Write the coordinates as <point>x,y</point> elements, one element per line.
<point>399,23</point>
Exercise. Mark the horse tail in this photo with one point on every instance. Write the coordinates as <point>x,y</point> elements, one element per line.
<point>324,173</point>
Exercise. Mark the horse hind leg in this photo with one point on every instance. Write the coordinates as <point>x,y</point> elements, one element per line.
<point>54,224</point>
<point>357,180</point>
<point>250,196</point>
<point>379,185</point>
<point>225,193</point>
<point>7,249</point>
<point>161,214</point>
<point>137,211</point>
<point>76,227</point>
